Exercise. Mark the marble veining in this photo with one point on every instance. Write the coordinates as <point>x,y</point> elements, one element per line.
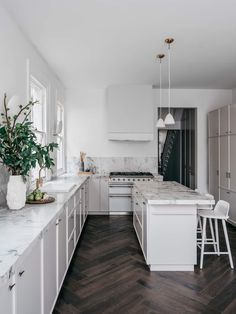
<point>104,165</point>
<point>19,229</point>
<point>170,192</point>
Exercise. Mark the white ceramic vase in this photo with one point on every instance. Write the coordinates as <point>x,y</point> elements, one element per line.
<point>16,192</point>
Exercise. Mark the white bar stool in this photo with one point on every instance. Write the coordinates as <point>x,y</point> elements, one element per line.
<point>201,207</point>
<point>220,212</point>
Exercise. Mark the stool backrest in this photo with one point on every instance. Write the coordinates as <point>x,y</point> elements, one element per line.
<point>222,207</point>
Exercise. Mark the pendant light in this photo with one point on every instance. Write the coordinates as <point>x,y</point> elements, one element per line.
<point>169,119</point>
<point>160,122</point>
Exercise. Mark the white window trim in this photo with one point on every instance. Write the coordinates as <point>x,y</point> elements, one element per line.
<point>62,138</point>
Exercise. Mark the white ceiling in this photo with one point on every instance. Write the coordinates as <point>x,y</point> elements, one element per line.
<point>100,42</point>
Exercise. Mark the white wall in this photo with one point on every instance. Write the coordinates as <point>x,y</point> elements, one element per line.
<point>234,96</point>
<point>14,53</point>
<point>87,125</point>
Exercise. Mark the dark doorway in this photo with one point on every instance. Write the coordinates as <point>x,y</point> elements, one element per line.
<point>177,148</point>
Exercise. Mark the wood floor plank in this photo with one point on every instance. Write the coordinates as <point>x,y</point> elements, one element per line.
<point>108,275</point>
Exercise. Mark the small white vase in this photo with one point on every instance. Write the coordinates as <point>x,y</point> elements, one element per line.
<point>16,192</point>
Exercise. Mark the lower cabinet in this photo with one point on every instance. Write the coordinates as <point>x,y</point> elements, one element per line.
<point>28,282</point>
<point>7,290</point>
<point>49,267</point>
<point>61,248</point>
<point>39,273</point>
<point>229,197</point>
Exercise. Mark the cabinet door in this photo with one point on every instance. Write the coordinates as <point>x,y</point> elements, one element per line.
<point>104,203</point>
<point>232,210</point>
<point>49,267</point>
<point>61,248</point>
<point>28,282</point>
<point>213,144</point>
<point>232,140</point>
<point>94,195</point>
<point>145,230</point>
<point>224,120</point>
<point>213,123</point>
<point>224,162</point>
<point>6,297</point>
<point>78,220</point>
<point>232,119</point>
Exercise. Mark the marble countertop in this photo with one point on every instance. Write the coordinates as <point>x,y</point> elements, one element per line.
<point>170,192</point>
<point>19,229</point>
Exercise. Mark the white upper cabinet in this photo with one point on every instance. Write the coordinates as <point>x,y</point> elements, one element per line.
<point>224,120</point>
<point>130,112</point>
<point>233,119</point>
<point>213,123</point>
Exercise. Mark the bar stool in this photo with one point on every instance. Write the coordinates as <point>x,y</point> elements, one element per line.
<point>201,207</point>
<point>220,212</point>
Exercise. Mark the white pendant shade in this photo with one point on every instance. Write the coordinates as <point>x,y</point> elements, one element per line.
<point>169,120</point>
<point>160,123</point>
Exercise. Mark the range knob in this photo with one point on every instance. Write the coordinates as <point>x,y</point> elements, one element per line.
<point>118,179</point>
<point>123,179</point>
<point>128,179</point>
<point>133,179</point>
<point>138,179</point>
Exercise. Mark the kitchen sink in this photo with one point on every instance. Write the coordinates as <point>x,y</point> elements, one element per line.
<point>58,187</point>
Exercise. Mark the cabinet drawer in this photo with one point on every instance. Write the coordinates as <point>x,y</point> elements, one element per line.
<point>71,224</point>
<point>71,246</point>
<point>138,229</point>
<point>71,204</point>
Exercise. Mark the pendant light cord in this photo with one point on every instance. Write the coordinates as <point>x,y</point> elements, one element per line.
<point>160,89</point>
<point>169,74</point>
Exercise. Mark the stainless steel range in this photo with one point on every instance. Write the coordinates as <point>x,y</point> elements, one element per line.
<point>120,190</point>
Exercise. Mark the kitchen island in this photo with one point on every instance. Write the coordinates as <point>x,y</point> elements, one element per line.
<point>165,221</point>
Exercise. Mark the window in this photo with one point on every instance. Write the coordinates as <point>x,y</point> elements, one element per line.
<point>38,93</point>
<point>60,137</point>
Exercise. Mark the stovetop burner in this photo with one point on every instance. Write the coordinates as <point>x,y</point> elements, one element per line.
<point>131,174</point>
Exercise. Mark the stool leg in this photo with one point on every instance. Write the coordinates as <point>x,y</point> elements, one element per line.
<point>217,237</point>
<point>212,233</point>
<point>227,244</point>
<point>203,241</point>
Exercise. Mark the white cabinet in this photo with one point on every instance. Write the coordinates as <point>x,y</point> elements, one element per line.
<point>213,144</point>
<point>61,248</point>
<point>224,120</point>
<point>130,112</point>
<point>28,282</point>
<point>213,123</point>
<point>229,197</point>
<point>104,194</point>
<point>232,145</point>
<point>98,195</point>
<point>94,194</point>
<point>78,220</point>
<point>49,267</point>
<point>7,289</point>
<point>232,119</point>
<point>224,162</point>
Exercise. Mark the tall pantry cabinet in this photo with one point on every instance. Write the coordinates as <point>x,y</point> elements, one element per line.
<point>222,156</point>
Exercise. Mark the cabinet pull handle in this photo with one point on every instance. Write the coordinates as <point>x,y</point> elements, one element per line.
<point>57,223</point>
<point>21,273</point>
<point>60,219</point>
<point>136,203</point>
<point>12,286</point>
<point>144,203</point>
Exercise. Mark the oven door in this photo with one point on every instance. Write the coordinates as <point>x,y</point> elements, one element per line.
<point>120,203</point>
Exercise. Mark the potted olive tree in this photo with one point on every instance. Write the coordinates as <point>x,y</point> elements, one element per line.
<point>19,151</point>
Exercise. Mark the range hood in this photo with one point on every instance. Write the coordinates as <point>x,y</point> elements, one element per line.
<point>130,113</point>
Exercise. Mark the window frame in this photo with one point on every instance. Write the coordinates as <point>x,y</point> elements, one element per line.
<point>61,137</point>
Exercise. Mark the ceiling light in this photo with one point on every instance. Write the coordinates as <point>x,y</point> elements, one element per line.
<point>160,122</point>
<point>169,119</point>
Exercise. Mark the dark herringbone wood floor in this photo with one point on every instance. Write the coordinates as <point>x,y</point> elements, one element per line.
<point>108,275</point>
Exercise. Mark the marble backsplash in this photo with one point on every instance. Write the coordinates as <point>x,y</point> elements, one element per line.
<point>3,185</point>
<point>104,165</point>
